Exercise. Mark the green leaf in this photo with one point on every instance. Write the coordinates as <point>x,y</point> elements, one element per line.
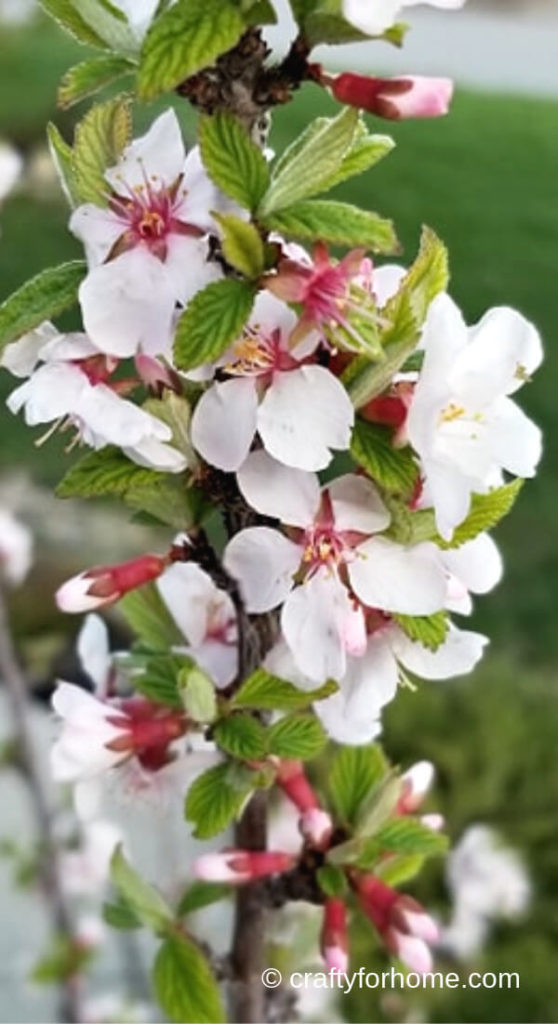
<point>332,881</point>
<point>216,798</point>
<point>42,298</point>
<point>233,160</point>
<point>120,915</point>
<point>169,498</point>
<point>379,805</point>
<point>213,319</point>
<point>202,894</point>
<point>405,314</point>
<point>159,681</point>
<point>241,736</point>
<point>486,512</point>
<point>268,693</point>
<point>399,868</point>
<point>366,151</point>
<point>174,410</point>
<point>144,901</point>
<point>90,76</point>
<point>393,469</point>
<point>109,22</point>
<point>102,473</point>
<point>297,737</point>
<point>259,12</point>
<point>184,984</point>
<point>198,694</point>
<point>242,245</point>
<point>64,12</point>
<point>354,773</point>
<point>335,223</point>
<point>62,157</point>
<point>149,618</point>
<point>408,835</point>
<point>189,36</point>
<point>100,139</point>
<point>428,630</point>
<point>309,168</point>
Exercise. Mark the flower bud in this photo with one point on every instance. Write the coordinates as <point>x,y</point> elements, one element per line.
<point>417,782</point>
<point>317,828</point>
<point>394,98</point>
<point>104,585</point>
<point>155,375</point>
<point>407,930</point>
<point>334,938</point>
<point>292,779</point>
<point>240,866</point>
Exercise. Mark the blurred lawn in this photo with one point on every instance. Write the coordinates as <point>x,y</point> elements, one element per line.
<point>485,180</point>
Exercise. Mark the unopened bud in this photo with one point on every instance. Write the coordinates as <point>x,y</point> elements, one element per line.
<point>292,779</point>
<point>317,828</point>
<point>394,98</point>
<point>237,867</point>
<point>417,782</point>
<point>104,585</point>
<point>334,938</point>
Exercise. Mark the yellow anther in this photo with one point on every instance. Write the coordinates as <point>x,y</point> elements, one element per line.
<point>452,412</point>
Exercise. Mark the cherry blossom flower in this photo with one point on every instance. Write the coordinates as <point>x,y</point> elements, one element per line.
<point>405,928</point>
<point>475,567</point>
<point>146,250</point>
<point>16,549</point>
<point>206,617</point>
<point>69,385</point>
<point>333,544</point>
<point>374,17</point>
<point>299,409</point>
<point>335,297</point>
<point>394,98</point>
<point>461,421</point>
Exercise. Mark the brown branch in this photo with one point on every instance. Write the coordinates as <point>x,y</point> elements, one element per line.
<point>49,874</point>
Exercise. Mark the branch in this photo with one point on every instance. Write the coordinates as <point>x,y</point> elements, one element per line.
<point>49,873</point>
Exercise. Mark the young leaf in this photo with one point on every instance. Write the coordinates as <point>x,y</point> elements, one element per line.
<point>100,139</point>
<point>268,693</point>
<point>109,21</point>
<point>168,499</point>
<point>198,694</point>
<point>102,473</point>
<point>202,894</point>
<point>159,681</point>
<point>213,319</point>
<point>242,245</point>
<point>149,618</point>
<point>486,512</point>
<point>42,298</point>
<point>428,630</point>
<point>366,151</point>
<point>215,799</point>
<point>335,223</point>
<point>332,881</point>
<point>189,36</point>
<point>313,164</point>
<point>62,157</point>
<point>64,12</point>
<point>184,984</point>
<point>90,76</point>
<point>241,736</point>
<point>120,915</point>
<point>297,737</point>
<point>233,160</point>
<point>393,469</point>
<point>399,868</point>
<point>354,773</point>
<point>408,835</point>
<point>145,902</point>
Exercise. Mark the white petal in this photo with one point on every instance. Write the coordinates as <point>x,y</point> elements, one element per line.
<point>386,281</point>
<point>93,651</point>
<point>68,347</point>
<point>357,505</point>
<point>449,491</point>
<point>54,390</point>
<point>272,489</point>
<point>372,17</point>
<point>188,593</point>
<point>353,715</point>
<point>128,304</point>
<point>394,578</point>
<point>477,564</point>
<point>271,314</point>
<point>188,266</point>
<point>504,349</point>
<point>457,656</point>
<point>98,228</point>
<point>224,423</point>
<point>304,414</point>
<point>16,548</point>
<point>200,194</point>
<point>218,659</point>
<point>263,562</point>
<point>515,441</point>
<point>157,157</point>
<point>280,662</point>
<point>22,356</point>
<point>314,621</point>
<point>153,454</point>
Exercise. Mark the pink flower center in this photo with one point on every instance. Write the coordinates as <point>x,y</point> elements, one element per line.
<point>323,546</point>
<point>149,215</point>
<point>258,354</point>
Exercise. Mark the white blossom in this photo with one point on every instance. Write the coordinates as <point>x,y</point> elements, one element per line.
<point>374,17</point>
<point>16,548</point>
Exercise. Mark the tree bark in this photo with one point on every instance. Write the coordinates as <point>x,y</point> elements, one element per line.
<point>247,993</point>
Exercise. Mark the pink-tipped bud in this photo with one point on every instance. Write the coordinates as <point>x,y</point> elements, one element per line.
<point>236,867</point>
<point>335,938</point>
<point>394,98</point>
<point>292,779</point>
<point>417,782</point>
<point>317,828</point>
<point>407,930</point>
<point>104,585</point>
<point>435,822</point>
<point>412,951</point>
<point>156,375</point>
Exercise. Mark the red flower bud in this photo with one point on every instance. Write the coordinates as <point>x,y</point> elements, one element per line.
<point>104,585</point>
<point>334,937</point>
<point>240,866</point>
<point>394,98</point>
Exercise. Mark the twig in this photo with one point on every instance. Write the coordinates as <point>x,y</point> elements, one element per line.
<point>49,874</point>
